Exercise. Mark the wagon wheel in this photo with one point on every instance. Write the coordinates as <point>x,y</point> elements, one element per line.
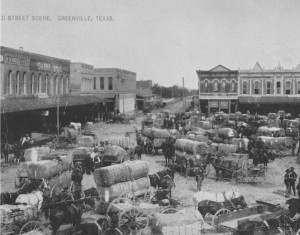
<point>170,210</point>
<point>238,176</point>
<point>29,226</point>
<point>245,165</point>
<point>222,211</point>
<point>57,190</point>
<point>135,218</point>
<point>117,201</point>
<point>127,196</point>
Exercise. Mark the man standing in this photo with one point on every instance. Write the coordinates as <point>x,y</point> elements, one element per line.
<point>287,183</point>
<point>77,176</point>
<point>199,177</point>
<point>298,188</point>
<point>292,179</point>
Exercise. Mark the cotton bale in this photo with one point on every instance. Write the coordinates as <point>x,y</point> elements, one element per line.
<point>226,133</point>
<point>158,142</point>
<point>63,180</point>
<point>206,125</point>
<point>183,158</point>
<point>192,147</point>
<point>188,216</point>
<point>227,149</point>
<point>85,141</point>
<point>140,186</point>
<point>241,143</point>
<point>137,169</point>
<point>107,176</point>
<point>123,142</point>
<point>115,190</point>
<point>272,115</point>
<point>36,153</point>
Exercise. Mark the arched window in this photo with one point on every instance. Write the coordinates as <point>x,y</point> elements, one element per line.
<point>61,85</point>
<point>216,86</point>
<point>24,83</point>
<point>40,84</point>
<point>223,86</point>
<point>268,87</point>
<point>67,86</point>
<point>32,84</point>
<point>233,86</point>
<point>206,86</point>
<point>9,83</point>
<point>278,87</point>
<point>245,88</point>
<point>56,85</point>
<point>21,84</point>
<point>288,88</point>
<point>17,85</point>
<point>256,88</point>
<point>298,87</point>
<point>46,83</point>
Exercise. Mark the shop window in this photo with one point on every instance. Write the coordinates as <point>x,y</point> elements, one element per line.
<point>223,86</point>
<point>17,84</point>
<point>256,88</point>
<point>32,84</point>
<point>102,83</point>
<point>268,87</point>
<point>95,83</point>
<point>288,88</point>
<point>278,87</point>
<point>216,86</point>
<point>245,88</point>
<point>110,83</point>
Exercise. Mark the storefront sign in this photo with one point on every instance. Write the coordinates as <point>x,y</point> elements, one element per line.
<point>14,60</point>
<point>224,104</point>
<point>214,104</point>
<point>40,65</point>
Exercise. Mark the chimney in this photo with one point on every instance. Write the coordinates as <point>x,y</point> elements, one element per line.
<point>21,48</point>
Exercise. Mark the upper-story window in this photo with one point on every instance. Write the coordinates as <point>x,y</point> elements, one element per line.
<point>24,83</point>
<point>223,86</point>
<point>256,88</point>
<point>233,86</point>
<point>17,83</point>
<point>245,88</point>
<point>278,87</point>
<point>268,87</point>
<point>298,87</point>
<point>95,83</point>
<point>110,83</point>
<point>205,85</point>
<point>9,83</point>
<point>32,84</point>
<point>288,88</point>
<point>102,83</point>
<point>216,86</point>
<point>46,83</point>
<point>21,84</point>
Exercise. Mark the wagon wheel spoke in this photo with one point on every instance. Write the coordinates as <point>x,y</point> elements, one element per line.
<point>29,226</point>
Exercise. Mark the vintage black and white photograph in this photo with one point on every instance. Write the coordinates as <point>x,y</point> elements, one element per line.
<point>150,117</point>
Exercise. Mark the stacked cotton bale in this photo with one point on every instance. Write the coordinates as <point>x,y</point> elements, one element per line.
<point>227,149</point>
<point>190,151</point>
<point>158,123</point>
<point>36,154</point>
<point>165,223</point>
<point>277,142</point>
<point>85,141</point>
<point>131,176</point>
<point>160,135</point>
<point>206,125</point>
<point>123,142</point>
<point>114,153</point>
<point>241,143</point>
<point>267,131</point>
<point>226,133</point>
<point>47,169</point>
<point>273,123</point>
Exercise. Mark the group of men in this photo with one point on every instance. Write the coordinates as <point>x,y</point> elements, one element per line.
<point>290,179</point>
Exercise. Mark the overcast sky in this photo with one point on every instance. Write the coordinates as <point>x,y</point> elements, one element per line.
<point>161,40</point>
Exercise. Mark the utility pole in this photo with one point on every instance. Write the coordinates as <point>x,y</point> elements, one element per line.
<point>183,98</point>
<point>57,115</point>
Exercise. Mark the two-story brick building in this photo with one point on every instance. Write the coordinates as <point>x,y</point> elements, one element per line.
<point>116,83</point>
<point>82,77</point>
<point>267,90</point>
<point>218,89</point>
<point>143,94</point>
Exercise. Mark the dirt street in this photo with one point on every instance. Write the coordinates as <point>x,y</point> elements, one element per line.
<point>271,190</point>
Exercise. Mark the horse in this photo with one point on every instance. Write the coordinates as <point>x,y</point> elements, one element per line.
<point>155,179</point>
<point>121,230</point>
<point>7,149</point>
<point>208,206</point>
<point>92,226</point>
<point>168,149</point>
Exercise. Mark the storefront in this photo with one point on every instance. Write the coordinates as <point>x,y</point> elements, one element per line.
<point>226,106</point>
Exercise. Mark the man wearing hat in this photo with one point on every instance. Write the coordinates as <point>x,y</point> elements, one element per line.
<point>292,179</point>
<point>287,183</point>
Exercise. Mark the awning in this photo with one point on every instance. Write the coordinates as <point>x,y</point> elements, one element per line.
<point>101,95</point>
<point>270,100</point>
<point>19,105</point>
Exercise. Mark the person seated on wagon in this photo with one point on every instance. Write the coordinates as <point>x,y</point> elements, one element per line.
<point>25,141</point>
